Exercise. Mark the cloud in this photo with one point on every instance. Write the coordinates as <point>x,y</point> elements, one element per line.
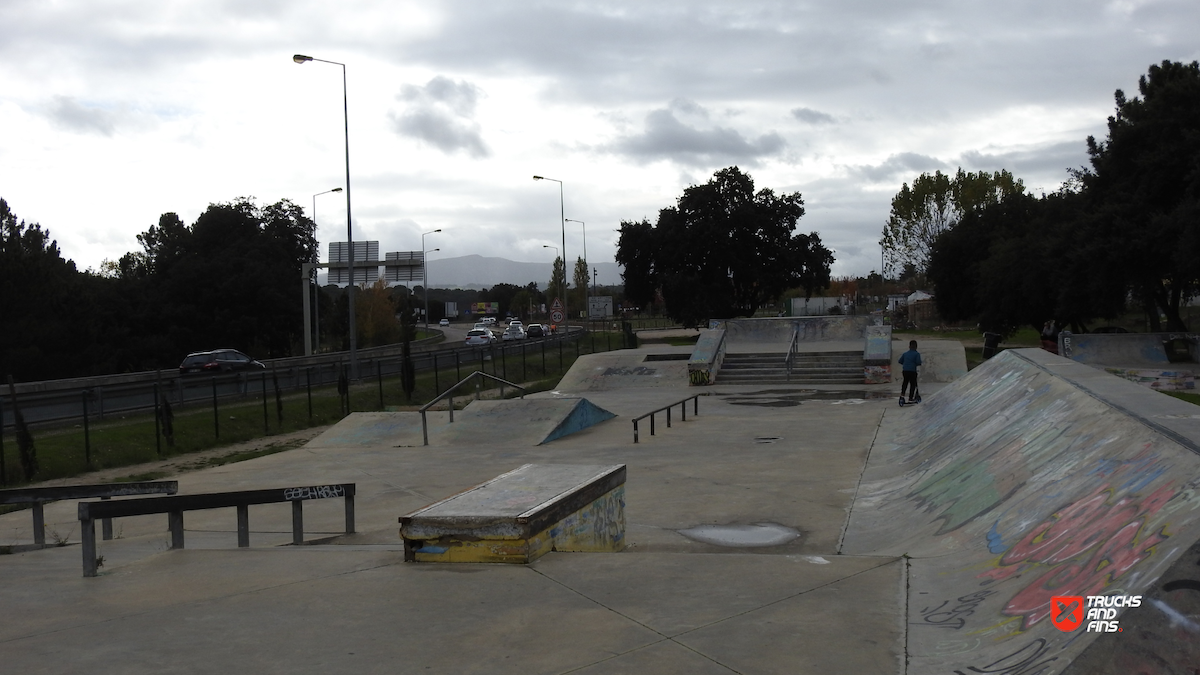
<point>812,116</point>
<point>441,113</point>
<point>902,163</point>
<point>67,113</point>
<point>665,136</point>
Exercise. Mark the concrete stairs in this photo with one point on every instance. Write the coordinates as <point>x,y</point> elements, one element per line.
<point>807,368</point>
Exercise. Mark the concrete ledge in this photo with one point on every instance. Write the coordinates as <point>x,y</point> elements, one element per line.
<point>520,516</point>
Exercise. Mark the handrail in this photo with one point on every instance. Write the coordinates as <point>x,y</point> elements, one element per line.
<point>792,351</point>
<point>682,406</point>
<point>449,393</point>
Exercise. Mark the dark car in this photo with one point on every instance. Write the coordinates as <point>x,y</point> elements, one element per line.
<point>218,361</point>
<point>535,330</point>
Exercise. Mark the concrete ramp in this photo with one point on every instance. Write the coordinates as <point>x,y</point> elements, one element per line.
<point>1030,478</point>
<point>530,421</point>
<point>375,429</point>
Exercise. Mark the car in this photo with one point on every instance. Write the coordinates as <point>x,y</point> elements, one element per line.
<point>477,337</point>
<point>515,322</point>
<point>444,322</point>
<point>535,330</point>
<point>217,361</point>
<point>489,320</point>
<point>514,333</point>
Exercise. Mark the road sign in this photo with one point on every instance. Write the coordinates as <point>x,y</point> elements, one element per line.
<point>556,316</point>
<point>556,306</point>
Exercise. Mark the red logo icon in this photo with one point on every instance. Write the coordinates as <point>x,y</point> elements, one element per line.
<point>1066,612</point>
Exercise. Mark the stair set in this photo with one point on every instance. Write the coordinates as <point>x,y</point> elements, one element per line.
<point>807,368</point>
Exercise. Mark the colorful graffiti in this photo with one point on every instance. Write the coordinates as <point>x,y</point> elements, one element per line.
<point>1088,545</point>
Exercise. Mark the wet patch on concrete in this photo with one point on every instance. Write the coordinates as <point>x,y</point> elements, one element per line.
<point>742,536</point>
<point>639,370</point>
<point>787,398</point>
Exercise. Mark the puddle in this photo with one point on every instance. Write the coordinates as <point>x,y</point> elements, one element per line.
<point>742,536</point>
<point>787,398</point>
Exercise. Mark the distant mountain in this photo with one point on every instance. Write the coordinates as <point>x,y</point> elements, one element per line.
<point>476,271</point>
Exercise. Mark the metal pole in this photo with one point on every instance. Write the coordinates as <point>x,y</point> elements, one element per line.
<point>216,415</point>
<point>266,418</point>
<point>87,440</point>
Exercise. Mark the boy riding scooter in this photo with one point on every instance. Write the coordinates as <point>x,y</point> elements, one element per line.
<point>909,361</point>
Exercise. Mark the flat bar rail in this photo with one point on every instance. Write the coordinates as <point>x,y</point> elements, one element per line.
<point>791,354</point>
<point>174,507</point>
<point>449,394</point>
<point>695,399</point>
<point>38,497</point>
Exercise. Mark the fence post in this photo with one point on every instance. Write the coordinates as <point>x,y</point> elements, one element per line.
<point>437,388</point>
<point>266,416</point>
<point>157,422</point>
<point>3,468</point>
<point>379,377</point>
<point>87,439</point>
<point>308,385</point>
<point>216,414</point>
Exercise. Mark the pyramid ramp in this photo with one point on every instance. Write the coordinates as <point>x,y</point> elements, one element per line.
<point>531,421</point>
<point>376,429</point>
<point>1034,477</point>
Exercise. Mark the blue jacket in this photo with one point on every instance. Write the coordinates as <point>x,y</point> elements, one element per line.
<point>910,359</point>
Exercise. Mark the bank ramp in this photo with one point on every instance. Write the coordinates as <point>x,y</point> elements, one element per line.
<point>1034,477</point>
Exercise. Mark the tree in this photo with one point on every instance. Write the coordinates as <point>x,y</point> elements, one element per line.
<point>722,251</point>
<point>582,280</point>
<point>1144,190</point>
<point>933,205</point>
<point>557,289</point>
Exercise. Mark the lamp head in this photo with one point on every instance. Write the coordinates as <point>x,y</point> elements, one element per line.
<point>336,190</point>
<point>300,58</point>
<point>538,178</point>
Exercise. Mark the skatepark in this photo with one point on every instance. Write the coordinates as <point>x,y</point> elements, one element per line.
<point>782,528</point>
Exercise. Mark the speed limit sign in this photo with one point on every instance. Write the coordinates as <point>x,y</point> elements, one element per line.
<point>556,316</point>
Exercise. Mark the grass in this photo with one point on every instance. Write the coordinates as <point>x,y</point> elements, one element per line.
<point>128,440</point>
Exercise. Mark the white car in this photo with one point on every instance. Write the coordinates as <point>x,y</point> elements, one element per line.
<point>489,320</point>
<point>477,337</point>
<point>515,322</point>
<point>444,322</point>
<point>514,333</point>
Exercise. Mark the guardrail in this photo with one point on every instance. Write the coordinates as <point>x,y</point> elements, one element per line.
<point>42,496</point>
<point>174,507</point>
<point>683,409</point>
<point>61,400</point>
<point>791,354</point>
<point>449,394</point>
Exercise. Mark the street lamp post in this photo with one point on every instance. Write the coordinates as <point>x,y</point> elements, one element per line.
<point>556,257</point>
<point>563,223</point>
<point>425,274</point>
<point>300,58</point>
<point>586,289</point>
<point>316,331</point>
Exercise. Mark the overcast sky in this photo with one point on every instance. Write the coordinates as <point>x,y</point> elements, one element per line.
<point>113,112</point>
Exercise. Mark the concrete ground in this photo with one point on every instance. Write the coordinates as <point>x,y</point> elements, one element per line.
<point>756,459</point>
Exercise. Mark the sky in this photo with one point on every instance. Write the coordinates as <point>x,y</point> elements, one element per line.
<point>113,112</point>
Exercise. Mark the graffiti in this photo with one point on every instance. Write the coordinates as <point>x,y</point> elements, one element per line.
<point>1088,544</point>
<point>316,492</point>
<point>954,617</point>
<point>699,378</point>
<point>1024,661</point>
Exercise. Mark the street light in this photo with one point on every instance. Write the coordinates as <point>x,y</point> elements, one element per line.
<point>586,290</point>
<point>556,257</point>
<point>317,329</point>
<point>301,59</point>
<point>425,274</point>
<point>562,221</point>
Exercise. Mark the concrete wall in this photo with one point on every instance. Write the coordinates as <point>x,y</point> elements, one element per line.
<point>941,360</point>
<point>812,329</point>
<point>1030,478</point>
<point>1119,349</point>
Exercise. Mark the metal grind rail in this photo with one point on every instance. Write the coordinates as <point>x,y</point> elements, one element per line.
<point>682,408</point>
<point>449,394</point>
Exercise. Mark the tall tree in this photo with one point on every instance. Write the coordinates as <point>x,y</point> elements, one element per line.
<point>723,250</point>
<point>1144,189</point>
<point>557,287</point>
<point>582,280</point>
<point>933,205</point>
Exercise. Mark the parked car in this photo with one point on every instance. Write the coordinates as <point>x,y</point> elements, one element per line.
<point>514,333</point>
<point>444,322</point>
<point>217,361</point>
<point>535,330</point>
<point>477,337</point>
